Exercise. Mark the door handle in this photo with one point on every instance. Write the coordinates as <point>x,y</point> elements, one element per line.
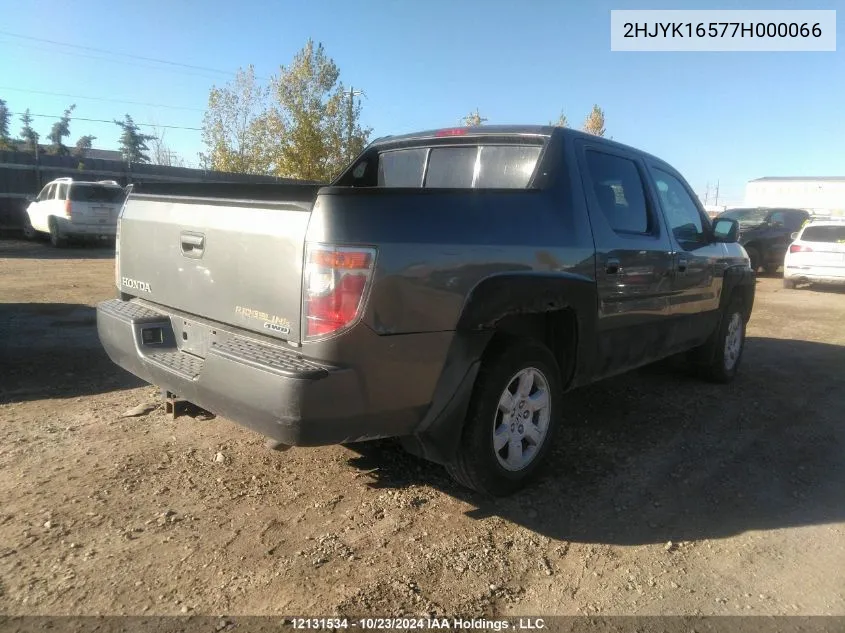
<point>611,266</point>
<point>682,264</point>
<point>193,244</point>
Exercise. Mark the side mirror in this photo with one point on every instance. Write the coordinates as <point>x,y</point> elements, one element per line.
<point>794,236</point>
<point>30,198</point>
<point>726,230</point>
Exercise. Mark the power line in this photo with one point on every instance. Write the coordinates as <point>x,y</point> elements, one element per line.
<point>122,62</point>
<point>77,118</point>
<point>69,96</point>
<point>129,55</point>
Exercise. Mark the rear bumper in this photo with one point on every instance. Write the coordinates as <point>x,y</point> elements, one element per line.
<point>70,228</point>
<point>814,275</point>
<point>267,387</point>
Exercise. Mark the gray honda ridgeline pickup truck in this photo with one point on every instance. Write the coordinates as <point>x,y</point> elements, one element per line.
<point>447,289</point>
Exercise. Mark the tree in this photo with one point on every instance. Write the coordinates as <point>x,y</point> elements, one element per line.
<point>473,119</point>
<point>61,129</point>
<point>133,144</point>
<point>561,121</point>
<point>594,123</point>
<point>83,145</point>
<point>239,130</point>
<point>321,129</point>
<point>305,124</point>
<point>5,115</point>
<point>30,137</point>
<point>162,154</point>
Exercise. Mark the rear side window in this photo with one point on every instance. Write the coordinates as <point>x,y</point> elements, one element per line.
<point>619,192</point>
<point>95,193</point>
<point>63,192</point>
<point>824,234</point>
<point>459,167</point>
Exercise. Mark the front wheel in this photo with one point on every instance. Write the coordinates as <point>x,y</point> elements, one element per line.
<point>511,420</point>
<point>724,350</point>
<point>754,256</point>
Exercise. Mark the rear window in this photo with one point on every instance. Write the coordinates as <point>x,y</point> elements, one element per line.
<point>824,234</point>
<point>95,193</point>
<point>459,167</point>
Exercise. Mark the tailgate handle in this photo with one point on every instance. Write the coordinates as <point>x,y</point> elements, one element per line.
<point>192,244</point>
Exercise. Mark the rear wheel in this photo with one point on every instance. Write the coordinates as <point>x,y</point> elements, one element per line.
<point>28,231</point>
<point>771,269</point>
<point>56,238</point>
<point>511,421</point>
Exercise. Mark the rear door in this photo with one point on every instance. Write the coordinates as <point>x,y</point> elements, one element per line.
<point>697,261</point>
<point>633,259</point>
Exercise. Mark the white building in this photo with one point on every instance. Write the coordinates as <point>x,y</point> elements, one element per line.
<point>823,195</point>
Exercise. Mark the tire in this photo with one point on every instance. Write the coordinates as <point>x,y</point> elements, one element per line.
<point>56,239</point>
<point>478,464</point>
<point>771,269</point>
<point>754,256</point>
<point>28,231</point>
<point>789,283</point>
<point>723,353</point>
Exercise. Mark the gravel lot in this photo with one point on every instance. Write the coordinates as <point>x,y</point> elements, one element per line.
<point>665,496</point>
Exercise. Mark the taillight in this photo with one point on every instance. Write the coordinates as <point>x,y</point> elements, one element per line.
<point>67,208</point>
<point>334,287</point>
<point>800,248</point>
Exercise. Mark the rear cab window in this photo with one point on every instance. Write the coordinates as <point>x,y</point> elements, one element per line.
<point>479,164</point>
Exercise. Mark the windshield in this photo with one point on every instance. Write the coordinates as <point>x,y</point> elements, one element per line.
<point>95,193</point>
<point>746,216</point>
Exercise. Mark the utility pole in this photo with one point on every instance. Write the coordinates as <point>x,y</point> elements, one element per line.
<point>707,194</point>
<point>717,192</point>
<point>350,120</point>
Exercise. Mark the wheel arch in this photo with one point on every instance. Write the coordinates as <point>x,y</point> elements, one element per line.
<point>557,309</point>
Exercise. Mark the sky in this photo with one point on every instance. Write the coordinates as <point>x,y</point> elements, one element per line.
<point>717,117</point>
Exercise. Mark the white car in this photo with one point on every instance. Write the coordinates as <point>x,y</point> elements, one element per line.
<point>817,254</point>
<point>68,208</point>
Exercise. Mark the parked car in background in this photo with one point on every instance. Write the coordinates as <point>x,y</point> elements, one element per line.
<point>447,289</point>
<point>817,255</point>
<point>766,233</point>
<point>68,208</point>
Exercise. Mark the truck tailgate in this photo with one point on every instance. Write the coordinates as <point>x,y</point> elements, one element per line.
<point>234,261</point>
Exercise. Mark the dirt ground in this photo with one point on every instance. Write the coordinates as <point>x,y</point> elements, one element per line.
<point>665,496</point>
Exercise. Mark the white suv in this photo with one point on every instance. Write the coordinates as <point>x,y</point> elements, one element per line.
<point>68,208</point>
<point>817,254</point>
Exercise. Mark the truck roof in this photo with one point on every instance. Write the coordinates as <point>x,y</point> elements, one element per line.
<point>506,130</point>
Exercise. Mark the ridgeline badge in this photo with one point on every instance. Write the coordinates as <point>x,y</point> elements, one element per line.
<point>277,324</point>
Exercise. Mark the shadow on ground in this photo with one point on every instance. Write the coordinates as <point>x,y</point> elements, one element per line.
<point>51,350</point>
<point>21,248</point>
<point>655,455</point>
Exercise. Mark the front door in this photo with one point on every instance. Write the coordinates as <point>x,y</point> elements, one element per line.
<point>633,259</point>
<point>698,261</point>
